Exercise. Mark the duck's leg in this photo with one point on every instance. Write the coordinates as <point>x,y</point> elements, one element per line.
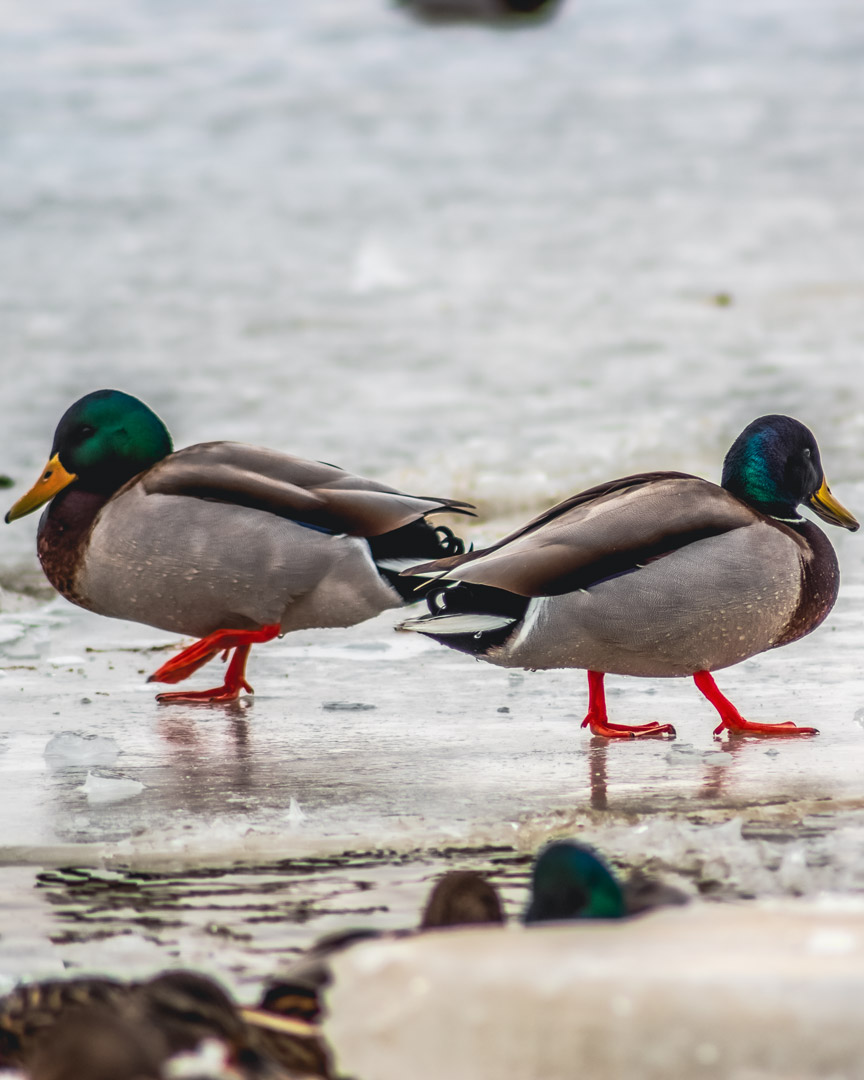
<point>733,722</point>
<point>599,723</point>
<point>182,665</point>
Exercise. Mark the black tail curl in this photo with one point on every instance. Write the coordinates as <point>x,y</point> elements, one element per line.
<point>420,541</point>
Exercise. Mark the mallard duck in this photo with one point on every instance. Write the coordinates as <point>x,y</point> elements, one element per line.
<point>569,880</point>
<point>229,543</point>
<point>29,1011</point>
<point>462,898</point>
<point>658,574</point>
<point>175,1012</point>
<point>96,1043</point>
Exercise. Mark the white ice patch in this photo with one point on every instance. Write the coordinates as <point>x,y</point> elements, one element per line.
<point>829,941</point>
<point>376,270</point>
<point>103,789</point>
<point>295,815</point>
<point>210,1059</point>
<point>75,748</point>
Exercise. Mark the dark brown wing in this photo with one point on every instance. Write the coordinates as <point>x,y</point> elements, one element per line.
<point>601,532</point>
<point>291,487</point>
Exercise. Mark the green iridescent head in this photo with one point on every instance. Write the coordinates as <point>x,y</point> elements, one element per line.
<point>570,882</point>
<point>102,441</point>
<point>774,465</point>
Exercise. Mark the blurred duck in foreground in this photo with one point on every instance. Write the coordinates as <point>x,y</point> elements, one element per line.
<point>448,11</point>
<point>229,543</point>
<point>659,574</point>
<point>90,1029</point>
<point>459,898</point>
<point>184,1024</point>
<point>570,881</point>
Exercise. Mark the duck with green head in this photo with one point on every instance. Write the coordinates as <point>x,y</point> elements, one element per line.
<point>570,880</point>
<point>229,543</point>
<point>658,574</point>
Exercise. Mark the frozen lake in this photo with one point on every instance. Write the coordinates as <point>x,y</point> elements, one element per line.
<point>487,264</point>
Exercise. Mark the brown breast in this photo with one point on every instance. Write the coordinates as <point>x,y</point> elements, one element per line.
<point>62,537</point>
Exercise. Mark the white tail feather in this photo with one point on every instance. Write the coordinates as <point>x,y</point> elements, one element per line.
<point>397,565</point>
<point>458,624</point>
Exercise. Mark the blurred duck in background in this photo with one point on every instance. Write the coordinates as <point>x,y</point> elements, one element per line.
<point>658,574</point>
<point>449,11</point>
<point>229,543</point>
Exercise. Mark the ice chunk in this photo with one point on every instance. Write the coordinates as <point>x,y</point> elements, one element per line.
<point>346,706</point>
<point>105,789</point>
<point>65,661</point>
<point>75,748</point>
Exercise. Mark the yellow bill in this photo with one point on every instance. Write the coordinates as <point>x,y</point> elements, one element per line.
<point>287,1025</point>
<point>829,509</point>
<point>53,479</point>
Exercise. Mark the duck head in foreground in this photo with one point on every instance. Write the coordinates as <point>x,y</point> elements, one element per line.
<point>658,574</point>
<point>229,543</point>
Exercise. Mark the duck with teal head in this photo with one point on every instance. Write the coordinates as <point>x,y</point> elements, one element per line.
<point>659,574</point>
<point>229,543</point>
<point>570,880</point>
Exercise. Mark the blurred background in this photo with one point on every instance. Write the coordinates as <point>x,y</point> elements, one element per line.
<point>482,261</point>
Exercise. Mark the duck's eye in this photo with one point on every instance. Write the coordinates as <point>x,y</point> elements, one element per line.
<point>807,453</point>
<point>84,432</point>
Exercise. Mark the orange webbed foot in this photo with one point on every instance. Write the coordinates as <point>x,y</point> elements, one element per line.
<point>734,724</point>
<point>599,723</point>
<point>186,662</point>
<point>189,660</point>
